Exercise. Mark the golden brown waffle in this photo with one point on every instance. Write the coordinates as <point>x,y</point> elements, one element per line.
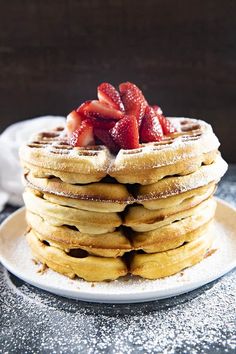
<point>193,196</point>
<point>58,215</point>
<point>90,268</point>
<point>49,155</point>
<point>162,264</point>
<point>142,220</point>
<point>174,234</point>
<point>106,197</point>
<point>176,185</point>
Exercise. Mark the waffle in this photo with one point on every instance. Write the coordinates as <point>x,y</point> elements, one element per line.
<point>50,155</point>
<point>140,219</point>
<point>90,268</point>
<point>58,215</point>
<point>178,185</point>
<point>175,234</point>
<point>163,264</point>
<point>106,197</point>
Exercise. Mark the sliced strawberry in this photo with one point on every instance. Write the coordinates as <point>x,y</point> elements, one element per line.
<point>97,109</point>
<point>125,133</point>
<point>73,121</point>
<point>157,109</point>
<point>82,108</point>
<point>105,124</point>
<point>133,99</point>
<point>109,95</point>
<point>130,86</point>
<point>167,127</point>
<point>105,137</point>
<point>134,106</point>
<point>83,136</point>
<point>151,129</point>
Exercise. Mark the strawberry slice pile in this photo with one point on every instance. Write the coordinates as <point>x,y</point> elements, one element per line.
<point>118,119</point>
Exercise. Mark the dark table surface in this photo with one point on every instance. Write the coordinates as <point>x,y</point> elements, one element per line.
<point>202,321</point>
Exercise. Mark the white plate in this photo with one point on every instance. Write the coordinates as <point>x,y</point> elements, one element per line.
<point>16,257</point>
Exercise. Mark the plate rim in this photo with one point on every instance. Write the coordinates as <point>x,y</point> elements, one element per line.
<point>150,295</point>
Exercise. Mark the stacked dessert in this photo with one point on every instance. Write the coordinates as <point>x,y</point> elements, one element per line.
<point>121,189</point>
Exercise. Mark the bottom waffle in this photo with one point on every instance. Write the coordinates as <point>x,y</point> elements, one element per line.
<point>92,268</point>
<point>163,264</point>
<point>78,263</point>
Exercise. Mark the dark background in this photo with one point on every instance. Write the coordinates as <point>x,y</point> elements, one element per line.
<point>182,54</point>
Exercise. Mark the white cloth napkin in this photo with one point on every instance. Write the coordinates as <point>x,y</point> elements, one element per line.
<point>11,139</point>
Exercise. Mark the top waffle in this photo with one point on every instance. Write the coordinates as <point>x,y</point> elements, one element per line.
<point>182,152</point>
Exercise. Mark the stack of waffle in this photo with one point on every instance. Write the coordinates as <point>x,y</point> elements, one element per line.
<point>145,211</point>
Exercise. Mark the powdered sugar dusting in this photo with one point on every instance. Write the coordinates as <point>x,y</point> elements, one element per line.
<point>202,321</point>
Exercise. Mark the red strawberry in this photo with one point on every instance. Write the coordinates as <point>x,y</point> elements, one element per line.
<point>73,122</point>
<point>130,86</point>
<point>125,133</point>
<point>105,124</point>
<point>83,136</point>
<point>97,109</point>
<point>82,108</point>
<point>167,127</point>
<point>133,100</point>
<point>105,137</point>
<point>151,129</point>
<point>157,109</point>
<point>109,95</point>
